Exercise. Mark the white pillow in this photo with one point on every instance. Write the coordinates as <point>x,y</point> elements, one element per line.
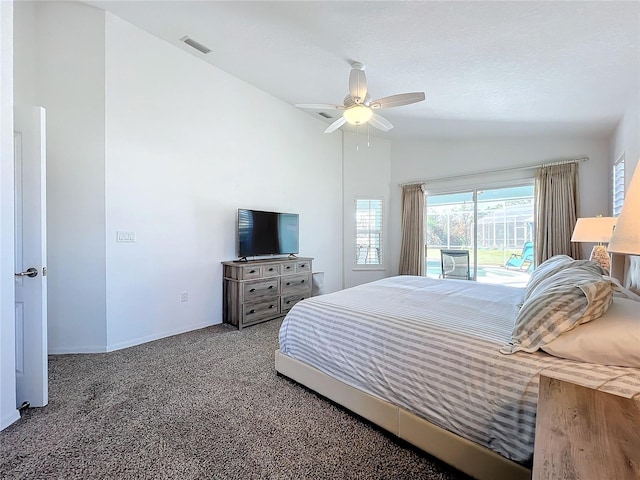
<point>613,339</point>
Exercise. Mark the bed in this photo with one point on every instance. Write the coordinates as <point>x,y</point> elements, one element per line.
<point>421,358</point>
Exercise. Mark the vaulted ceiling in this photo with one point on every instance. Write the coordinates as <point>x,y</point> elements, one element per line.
<point>488,68</point>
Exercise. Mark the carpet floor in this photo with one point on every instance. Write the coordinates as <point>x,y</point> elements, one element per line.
<point>201,405</point>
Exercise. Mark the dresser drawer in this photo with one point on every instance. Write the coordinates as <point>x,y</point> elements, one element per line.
<point>288,267</point>
<point>260,288</point>
<point>303,266</point>
<point>271,270</point>
<point>295,283</point>
<point>250,272</point>
<point>289,301</point>
<point>256,311</point>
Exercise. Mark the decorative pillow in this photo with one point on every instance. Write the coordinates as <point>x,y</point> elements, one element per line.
<point>585,267</point>
<point>570,297</point>
<point>613,339</point>
<point>555,264</point>
<point>545,270</point>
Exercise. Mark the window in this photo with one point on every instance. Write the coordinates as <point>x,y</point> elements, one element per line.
<point>494,225</point>
<point>618,186</point>
<point>368,231</point>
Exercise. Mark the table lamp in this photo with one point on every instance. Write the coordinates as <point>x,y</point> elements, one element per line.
<point>599,230</point>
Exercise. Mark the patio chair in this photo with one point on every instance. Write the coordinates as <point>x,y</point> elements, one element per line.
<point>365,252</point>
<point>455,264</point>
<point>525,259</point>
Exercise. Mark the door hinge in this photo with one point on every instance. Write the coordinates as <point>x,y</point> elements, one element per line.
<point>44,271</point>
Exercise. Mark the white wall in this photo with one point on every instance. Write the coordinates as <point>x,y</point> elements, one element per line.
<point>70,85</point>
<point>366,175</point>
<point>144,137</point>
<point>626,139</point>
<point>422,160</point>
<point>8,412</point>
<point>25,47</point>
<point>187,145</point>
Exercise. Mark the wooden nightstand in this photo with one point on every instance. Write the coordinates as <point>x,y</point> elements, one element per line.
<point>585,434</point>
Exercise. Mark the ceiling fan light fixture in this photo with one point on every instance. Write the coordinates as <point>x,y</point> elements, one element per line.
<point>358,114</point>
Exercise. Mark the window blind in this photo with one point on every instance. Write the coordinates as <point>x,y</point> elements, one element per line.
<point>618,186</point>
<point>368,231</point>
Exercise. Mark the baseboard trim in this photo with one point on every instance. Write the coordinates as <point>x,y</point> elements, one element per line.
<point>73,350</point>
<point>157,336</point>
<point>129,343</point>
<point>9,419</point>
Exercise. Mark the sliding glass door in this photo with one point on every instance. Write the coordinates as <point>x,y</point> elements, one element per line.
<point>495,226</point>
<point>450,226</point>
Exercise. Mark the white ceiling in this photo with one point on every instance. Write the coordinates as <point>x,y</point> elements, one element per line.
<point>487,67</point>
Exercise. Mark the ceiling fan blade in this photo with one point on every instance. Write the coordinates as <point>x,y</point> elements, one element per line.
<point>380,122</point>
<point>319,106</point>
<point>335,125</point>
<point>398,100</point>
<point>357,85</point>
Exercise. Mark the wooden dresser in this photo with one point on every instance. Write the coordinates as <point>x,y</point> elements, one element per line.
<point>261,290</point>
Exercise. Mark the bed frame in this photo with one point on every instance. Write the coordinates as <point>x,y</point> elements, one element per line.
<point>475,460</point>
<point>468,457</point>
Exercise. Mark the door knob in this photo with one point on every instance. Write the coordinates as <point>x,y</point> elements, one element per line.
<point>30,272</point>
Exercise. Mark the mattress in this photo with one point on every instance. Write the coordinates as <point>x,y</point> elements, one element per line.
<point>432,347</point>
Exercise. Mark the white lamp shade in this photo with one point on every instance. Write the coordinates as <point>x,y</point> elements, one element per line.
<point>626,236</point>
<point>593,229</point>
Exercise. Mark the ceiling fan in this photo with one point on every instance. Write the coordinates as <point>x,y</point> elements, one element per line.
<point>358,108</point>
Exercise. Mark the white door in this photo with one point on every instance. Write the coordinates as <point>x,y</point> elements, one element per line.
<point>31,257</point>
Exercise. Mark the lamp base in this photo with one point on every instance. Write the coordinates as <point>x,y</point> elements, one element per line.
<point>600,255</point>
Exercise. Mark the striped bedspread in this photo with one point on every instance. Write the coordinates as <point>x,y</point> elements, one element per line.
<point>432,347</point>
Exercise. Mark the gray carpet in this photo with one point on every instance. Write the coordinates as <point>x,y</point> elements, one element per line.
<point>202,405</point>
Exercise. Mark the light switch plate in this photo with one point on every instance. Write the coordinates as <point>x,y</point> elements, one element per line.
<point>125,237</point>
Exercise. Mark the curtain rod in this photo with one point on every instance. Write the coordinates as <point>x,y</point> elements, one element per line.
<point>500,170</point>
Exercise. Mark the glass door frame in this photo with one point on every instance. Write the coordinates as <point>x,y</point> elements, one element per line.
<point>474,191</point>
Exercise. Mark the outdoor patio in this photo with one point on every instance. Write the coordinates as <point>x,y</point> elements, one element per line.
<point>489,271</point>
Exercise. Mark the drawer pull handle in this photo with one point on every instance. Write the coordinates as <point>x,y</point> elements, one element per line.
<point>271,306</point>
<point>288,267</point>
<point>302,298</point>
<point>302,265</point>
<point>288,283</point>
<point>271,269</point>
<point>252,271</point>
<point>270,287</point>
<point>252,311</point>
<point>302,281</point>
<point>252,290</point>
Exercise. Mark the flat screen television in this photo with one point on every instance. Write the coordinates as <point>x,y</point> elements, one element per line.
<point>266,233</point>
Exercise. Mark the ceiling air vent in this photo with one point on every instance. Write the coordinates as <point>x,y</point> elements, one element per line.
<point>198,46</point>
<point>322,114</point>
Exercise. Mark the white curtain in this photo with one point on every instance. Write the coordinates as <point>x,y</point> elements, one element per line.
<point>556,211</point>
<point>412,255</point>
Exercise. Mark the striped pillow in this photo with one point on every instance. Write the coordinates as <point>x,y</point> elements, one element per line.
<point>555,264</point>
<point>572,296</point>
<point>545,270</point>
